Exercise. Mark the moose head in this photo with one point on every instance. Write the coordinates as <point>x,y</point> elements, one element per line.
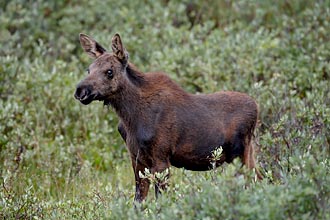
<point>105,74</point>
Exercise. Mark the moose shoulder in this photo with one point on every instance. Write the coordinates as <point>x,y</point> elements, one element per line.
<point>163,125</point>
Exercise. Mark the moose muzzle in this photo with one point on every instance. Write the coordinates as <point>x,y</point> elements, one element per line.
<point>84,94</point>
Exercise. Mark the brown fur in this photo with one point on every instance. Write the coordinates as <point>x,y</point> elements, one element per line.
<point>163,125</point>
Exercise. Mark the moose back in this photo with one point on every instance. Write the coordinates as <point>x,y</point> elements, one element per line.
<point>163,125</point>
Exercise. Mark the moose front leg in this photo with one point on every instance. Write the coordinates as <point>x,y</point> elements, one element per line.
<point>161,185</point>
<point>141,189</point>
<point>141,184</point>
<point>122,131</point>
<point>161,169</point>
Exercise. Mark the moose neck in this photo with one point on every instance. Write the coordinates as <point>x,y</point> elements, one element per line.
<point>127,103</point>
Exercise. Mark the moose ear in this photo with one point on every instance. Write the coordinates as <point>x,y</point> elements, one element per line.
<point>118,48</point>
<point>90,46</point>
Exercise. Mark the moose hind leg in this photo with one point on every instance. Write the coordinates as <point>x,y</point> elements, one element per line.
<point>249,160</point>
<point>236,150</point>
<point>248,157</point>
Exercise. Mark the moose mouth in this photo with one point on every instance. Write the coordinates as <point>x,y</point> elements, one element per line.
<point>88,98</point>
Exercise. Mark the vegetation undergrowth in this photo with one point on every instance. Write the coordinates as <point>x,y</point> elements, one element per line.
<point>62,160</point>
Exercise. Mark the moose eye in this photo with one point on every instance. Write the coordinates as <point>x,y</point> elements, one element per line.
<point>87,70</point>
<point>110,73</point>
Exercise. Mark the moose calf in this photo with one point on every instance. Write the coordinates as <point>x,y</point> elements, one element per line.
<point>163,125</point>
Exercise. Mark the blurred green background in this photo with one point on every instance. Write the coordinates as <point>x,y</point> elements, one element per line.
<point>62,160</point>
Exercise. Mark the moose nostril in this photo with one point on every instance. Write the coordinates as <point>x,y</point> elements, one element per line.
<point>77,94</point>
<point>82,92</point>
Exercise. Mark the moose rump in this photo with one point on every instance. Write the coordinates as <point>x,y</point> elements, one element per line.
<point>206,122</point>
<point>161,124</point>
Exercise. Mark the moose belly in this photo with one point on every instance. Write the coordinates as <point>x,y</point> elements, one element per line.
<point>197,158</point>
<point>195,164</point>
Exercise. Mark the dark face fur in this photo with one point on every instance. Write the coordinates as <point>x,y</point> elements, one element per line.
<point>105,73</point>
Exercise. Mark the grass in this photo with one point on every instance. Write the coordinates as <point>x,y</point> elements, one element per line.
<point>62,160</point>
